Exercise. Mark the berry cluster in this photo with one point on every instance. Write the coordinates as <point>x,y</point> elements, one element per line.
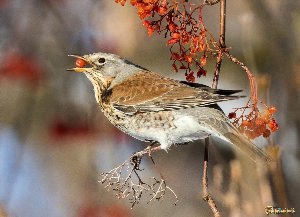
<point>187,36</point>
<point>190,46</point>
<point>255,123</point>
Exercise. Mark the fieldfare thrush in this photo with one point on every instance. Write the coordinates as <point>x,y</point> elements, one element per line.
<point>151,107</point>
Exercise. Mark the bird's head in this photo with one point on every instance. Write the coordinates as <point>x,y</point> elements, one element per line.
<point>103,66</point>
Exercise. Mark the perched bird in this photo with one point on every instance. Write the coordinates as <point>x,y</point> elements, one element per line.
<point>151,107</point>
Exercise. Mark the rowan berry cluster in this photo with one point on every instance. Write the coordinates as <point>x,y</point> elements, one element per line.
<point>255,123</point>
<point>190,46</point>
<point>181,22</point>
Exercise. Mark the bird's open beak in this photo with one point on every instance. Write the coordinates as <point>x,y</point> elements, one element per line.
<point>79,65</point>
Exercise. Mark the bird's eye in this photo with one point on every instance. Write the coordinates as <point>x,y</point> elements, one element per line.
<point>101,60</point>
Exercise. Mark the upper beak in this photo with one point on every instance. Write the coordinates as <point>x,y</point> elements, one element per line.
<point>78,69</point>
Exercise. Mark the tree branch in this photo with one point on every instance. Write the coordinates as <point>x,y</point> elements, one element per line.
<point>206,195</point>
<point>222,45</point>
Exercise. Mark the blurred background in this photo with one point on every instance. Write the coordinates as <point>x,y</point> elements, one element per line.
<point>55,142</point>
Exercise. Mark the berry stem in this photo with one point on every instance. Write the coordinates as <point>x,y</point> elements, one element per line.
<point>253,86</point>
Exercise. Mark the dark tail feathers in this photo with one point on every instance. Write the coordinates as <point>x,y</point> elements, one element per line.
<point>211,90</point>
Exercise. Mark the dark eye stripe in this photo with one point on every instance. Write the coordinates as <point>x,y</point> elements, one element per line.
<point>101,60</point>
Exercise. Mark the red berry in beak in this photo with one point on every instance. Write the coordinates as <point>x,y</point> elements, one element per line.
<point>80,63</point>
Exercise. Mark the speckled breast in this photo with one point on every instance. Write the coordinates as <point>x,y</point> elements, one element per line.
<point>134,125</point>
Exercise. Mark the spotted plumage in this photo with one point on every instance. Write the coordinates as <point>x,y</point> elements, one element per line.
<point>151,107</point>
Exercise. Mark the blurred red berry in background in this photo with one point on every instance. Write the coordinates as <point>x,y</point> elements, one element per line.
<point>18,66</point>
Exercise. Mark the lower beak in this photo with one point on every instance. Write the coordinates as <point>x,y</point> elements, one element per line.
<point>76,69</point>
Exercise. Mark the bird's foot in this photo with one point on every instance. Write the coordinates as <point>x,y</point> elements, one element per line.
<point>136,158</point>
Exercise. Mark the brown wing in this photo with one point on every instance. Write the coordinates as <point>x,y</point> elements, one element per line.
<point>148,91</point>
<point>140,88</point>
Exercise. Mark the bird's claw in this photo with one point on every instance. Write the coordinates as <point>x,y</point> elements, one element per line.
<point>135,160</point>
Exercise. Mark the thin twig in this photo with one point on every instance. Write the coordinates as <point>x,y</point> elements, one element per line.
<point>206,195</point>
<point>222,48</point>
<point>217,70</point>
<point>222,23</point>
<point>204,177</point>
<point>253,86</point>
<point>222,45</point>
<point>125,180</point>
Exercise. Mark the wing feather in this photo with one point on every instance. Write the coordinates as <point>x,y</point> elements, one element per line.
<point>150,92</point>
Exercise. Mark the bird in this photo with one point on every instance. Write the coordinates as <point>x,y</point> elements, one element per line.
<point>153,108</point>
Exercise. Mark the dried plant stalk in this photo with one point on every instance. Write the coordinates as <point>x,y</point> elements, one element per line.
<point>126,181</point>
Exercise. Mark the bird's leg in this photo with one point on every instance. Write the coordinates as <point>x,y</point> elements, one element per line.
<point>136,157</point>
<point>150,147</point>
<point>184,143</point>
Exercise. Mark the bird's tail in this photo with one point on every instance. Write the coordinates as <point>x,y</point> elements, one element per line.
<point>248,147</point>
<point>215,122</point>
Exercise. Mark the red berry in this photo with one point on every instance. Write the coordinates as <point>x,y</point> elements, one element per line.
<point>133,2</point>
<point>80,63</point>
<point>175,35</point>
<point>140,9</point>
<point>122,2</point>
<point>164,3</point>
<point>162,10</point>
<point>201,72</point>
<point>172,41</point>
<point>266,119</point>
<point>185,38</point>
<point>190,77</point>
<point>259,122</point>
<point>150,30</point>
<point>146,23</point>
<point>203,60</point>
<point>245,123</point>
<point>148,7</point>
<point>188,58</point>
<point>175,56</point>
<point>175,67</point>
<point>232,115</point>
<point>272,110</point>
<point>172,27</point>
<point>273,125</point>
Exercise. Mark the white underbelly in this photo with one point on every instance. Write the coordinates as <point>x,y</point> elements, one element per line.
<point>186,129</point>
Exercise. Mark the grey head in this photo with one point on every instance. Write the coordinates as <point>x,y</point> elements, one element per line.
<point>105,66</point>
